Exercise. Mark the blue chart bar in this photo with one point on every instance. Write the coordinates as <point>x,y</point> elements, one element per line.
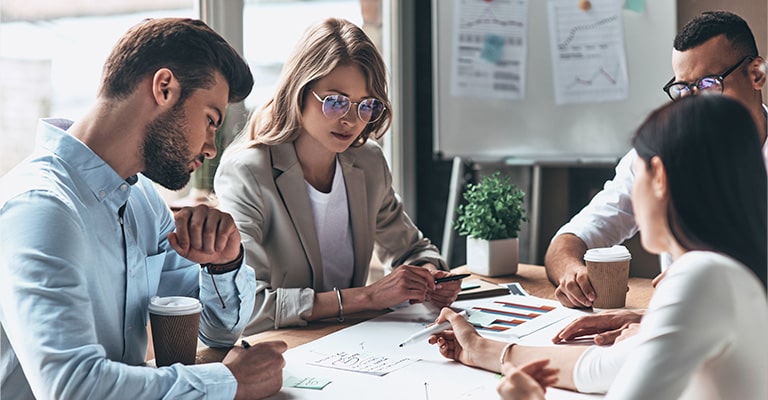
<point>522,307</point>
<point>506,313</point>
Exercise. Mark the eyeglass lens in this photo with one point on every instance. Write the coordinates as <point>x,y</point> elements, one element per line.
<point>709,84</point>
<point>337,106</point>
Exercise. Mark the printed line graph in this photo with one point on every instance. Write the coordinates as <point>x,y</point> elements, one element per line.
<point>494,13</point>
<point>576,29</point>
<point>601,74</point>
<point>588,53</point>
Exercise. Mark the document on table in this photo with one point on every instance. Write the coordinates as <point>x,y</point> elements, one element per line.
<point>365,360</point>
<point>513,315</point>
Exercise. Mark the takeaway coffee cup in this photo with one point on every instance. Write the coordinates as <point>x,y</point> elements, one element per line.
<point>608,271</point>
<point>175,321</point>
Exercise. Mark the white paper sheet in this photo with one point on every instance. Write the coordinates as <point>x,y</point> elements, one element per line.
<point>489,49</point>
<point>589,61</point>
<point>445,379</point>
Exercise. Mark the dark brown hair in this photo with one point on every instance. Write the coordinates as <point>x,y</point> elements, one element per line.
<point>188,47</point>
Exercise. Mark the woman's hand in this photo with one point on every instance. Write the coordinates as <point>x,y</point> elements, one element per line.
<point>404,283</point>
<point>528,382</point>
<point>606,326</point>
<point>445,293</point>
<point>462,343</point>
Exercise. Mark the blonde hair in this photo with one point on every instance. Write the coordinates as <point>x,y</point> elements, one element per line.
<point>323,47</point>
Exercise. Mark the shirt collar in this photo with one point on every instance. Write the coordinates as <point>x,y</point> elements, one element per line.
<point>103,181</point>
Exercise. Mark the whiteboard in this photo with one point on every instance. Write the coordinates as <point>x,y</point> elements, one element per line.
<point>535,128</point>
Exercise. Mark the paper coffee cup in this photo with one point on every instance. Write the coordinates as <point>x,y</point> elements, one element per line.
<point>175,321</point>
<point>608,271</point>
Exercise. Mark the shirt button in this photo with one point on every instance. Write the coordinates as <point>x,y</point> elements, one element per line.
<point>102,193</point>
<point>124,187</point>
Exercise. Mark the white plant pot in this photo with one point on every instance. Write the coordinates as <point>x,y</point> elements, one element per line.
<point>492,258</point>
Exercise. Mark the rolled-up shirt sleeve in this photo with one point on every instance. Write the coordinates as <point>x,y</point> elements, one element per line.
<point>608,219</point>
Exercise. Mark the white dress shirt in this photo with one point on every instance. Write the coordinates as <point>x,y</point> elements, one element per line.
<point>608,219</point>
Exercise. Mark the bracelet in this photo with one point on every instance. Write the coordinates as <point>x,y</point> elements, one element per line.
<point>216,269</point>
<point>504,354</point>
<point>340,318</point>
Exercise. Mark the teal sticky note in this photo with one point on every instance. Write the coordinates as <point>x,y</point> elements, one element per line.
<point>479,318</point>
<point>493,45</point>
<point>309,382</point>
<point>635,5</point>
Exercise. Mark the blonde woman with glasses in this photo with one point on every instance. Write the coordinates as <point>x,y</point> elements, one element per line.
<point>312,194</point>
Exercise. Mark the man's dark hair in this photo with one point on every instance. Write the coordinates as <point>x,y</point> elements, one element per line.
<point>188,47</point>
<point>715,23</point>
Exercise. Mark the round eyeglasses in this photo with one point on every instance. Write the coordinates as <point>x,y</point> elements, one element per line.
<point>337,106</point>
<point>710,84</point>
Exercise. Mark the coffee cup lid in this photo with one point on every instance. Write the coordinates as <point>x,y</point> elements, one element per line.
<point>608,254</point>
<point>174,305</point>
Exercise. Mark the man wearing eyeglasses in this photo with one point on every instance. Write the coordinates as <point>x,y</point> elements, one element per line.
<point>714,53</point>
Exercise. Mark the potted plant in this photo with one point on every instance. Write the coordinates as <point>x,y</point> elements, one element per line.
<point>491,221</point>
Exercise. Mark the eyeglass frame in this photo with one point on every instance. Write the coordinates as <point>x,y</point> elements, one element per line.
<point>720,78</point>
<point>322,102</point>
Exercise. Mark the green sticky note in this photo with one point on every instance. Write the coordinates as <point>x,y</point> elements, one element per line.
<point>635,5</point>
<point>479,318</point>
<point>493,47</point>
<point>309,382</point>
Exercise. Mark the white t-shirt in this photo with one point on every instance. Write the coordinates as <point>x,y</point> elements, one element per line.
<point>331,213</point>
<point>703,337</point>
<point>608,219</point>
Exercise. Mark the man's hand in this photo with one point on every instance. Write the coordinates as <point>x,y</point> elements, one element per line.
<point>574,289</point>
<point>607,326</point>
<point>258,369</point>
<point>564,263</point>
<point>205,235</point>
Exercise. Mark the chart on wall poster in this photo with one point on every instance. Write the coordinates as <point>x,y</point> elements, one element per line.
<point>588,54</point>
<point>489,47</point>
<point>536,128</point>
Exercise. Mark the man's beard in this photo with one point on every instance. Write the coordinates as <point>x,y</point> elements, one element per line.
<point>166,150</point>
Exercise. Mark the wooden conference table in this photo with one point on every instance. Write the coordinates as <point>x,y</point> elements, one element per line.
<point>533,278</point>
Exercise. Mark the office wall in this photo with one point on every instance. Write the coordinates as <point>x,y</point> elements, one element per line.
<point>535,127</point>
<point>563,188</point>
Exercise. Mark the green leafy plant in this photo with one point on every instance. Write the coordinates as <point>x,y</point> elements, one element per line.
<point>493,209</point>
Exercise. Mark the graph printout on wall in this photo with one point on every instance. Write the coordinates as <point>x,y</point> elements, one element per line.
<point>604,104</point>
<point>489,47</point>
<point>588,55</point>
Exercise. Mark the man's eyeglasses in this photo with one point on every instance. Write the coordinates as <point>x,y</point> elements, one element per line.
<point>337,106</point>
<point>710,84</point>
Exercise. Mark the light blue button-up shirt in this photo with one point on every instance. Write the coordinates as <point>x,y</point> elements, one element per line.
<point>75,284</point>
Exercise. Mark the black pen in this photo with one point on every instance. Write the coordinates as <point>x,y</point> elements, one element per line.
<point>451,278</point>
<point>245,344</point>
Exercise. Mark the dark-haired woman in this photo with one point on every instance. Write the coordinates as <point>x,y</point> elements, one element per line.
<point>699,194</point>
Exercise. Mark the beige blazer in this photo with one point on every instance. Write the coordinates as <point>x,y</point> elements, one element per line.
<point>264,190</point>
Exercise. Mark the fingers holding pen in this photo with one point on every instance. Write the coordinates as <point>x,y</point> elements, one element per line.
<point>404,283</point>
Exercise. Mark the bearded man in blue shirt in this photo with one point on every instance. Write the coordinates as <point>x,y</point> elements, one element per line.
<point>86,240</point>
